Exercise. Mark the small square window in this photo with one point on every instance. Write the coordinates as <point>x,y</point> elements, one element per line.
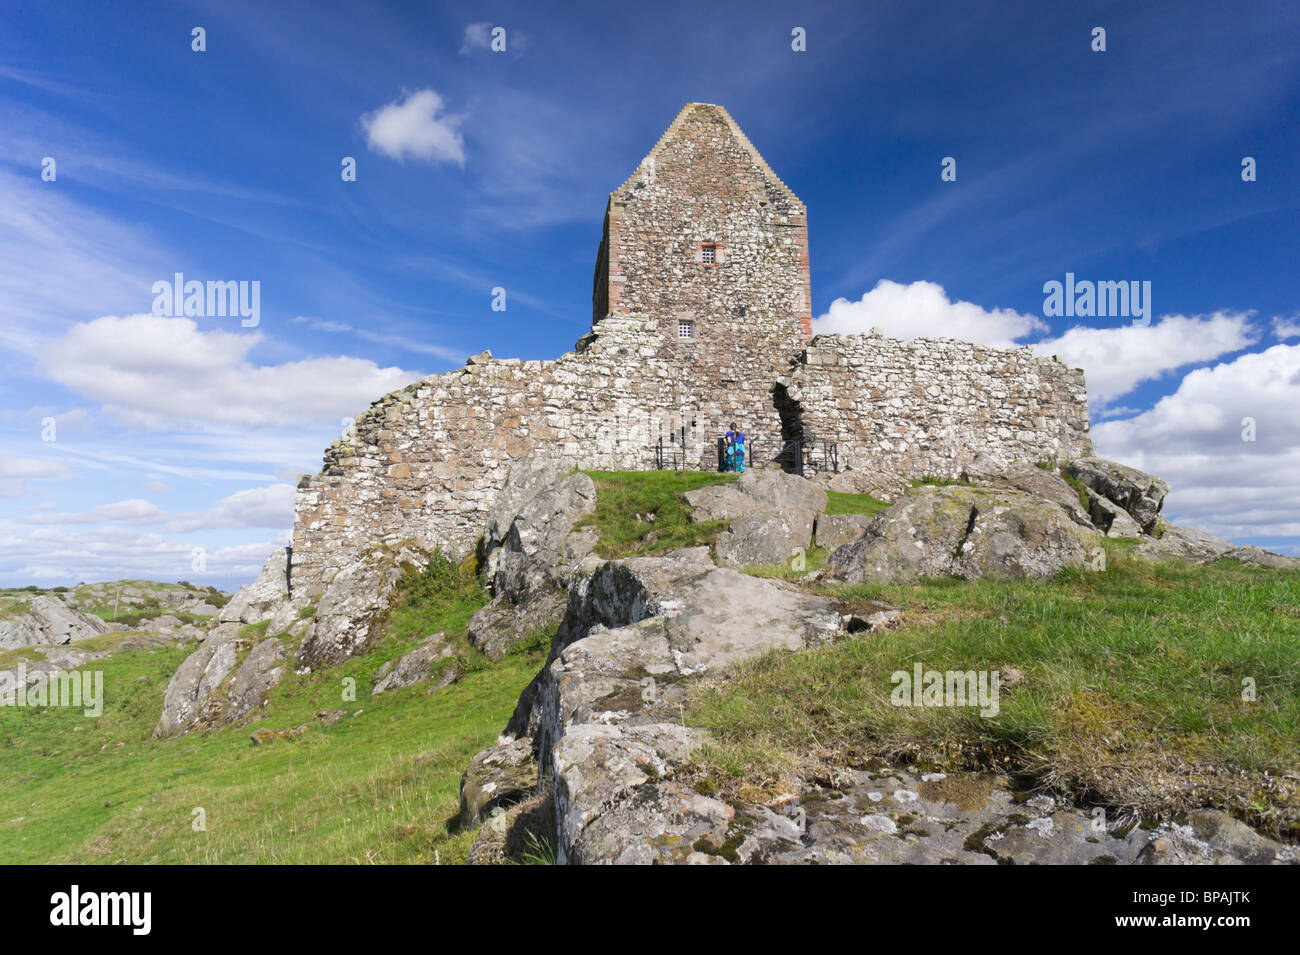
<point>709,254</point>
<point>685,329</point>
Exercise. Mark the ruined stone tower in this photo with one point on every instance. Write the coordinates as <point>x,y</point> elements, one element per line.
<point>701,317</point>
<point>704,232</point>
<point>708,250</point>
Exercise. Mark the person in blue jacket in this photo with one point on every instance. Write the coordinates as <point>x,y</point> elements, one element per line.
<point>735,449</point>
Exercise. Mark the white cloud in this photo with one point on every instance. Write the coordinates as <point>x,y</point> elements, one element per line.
<point>923,310</point>
<point>48,556</point>
<point>153,371</point>
<point>414,128</point>
<point>23,468</point>
<point>477,37</point>
<point>1285,328</point>
<point>1116,360</point>
<point>269,506</point>
<point>15,472</point>
<point>1193,439</point>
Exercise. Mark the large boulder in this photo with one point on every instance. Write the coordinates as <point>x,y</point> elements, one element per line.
<point>780,491</point>
<point>989,471</point>
<point>355,605</point>
<point>767,538</point>
<point>413,666</point>
<point>1142,495</point>
<point>259,600</point>
<point>771,514</point>
<point>195,681</point>
<point>833,531</point>
<point>531,550</point>
<point>965,532</point>
<point>755,492</point>
<point>719,502</point>
<point>497,777</point>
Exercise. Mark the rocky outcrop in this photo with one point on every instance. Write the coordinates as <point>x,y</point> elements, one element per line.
<point>1142,495</point>
<point>530,549</point>
<point>1111,519</point>
<point>257,601</point>
<point>964,532</point>
<point>227,679</point>
<point>414,666</point>
<point>194,683</point>
<point>593,759</point>
<point>45,661</point>
<point>833,531</point>
<point>355,605</point>
<point>603,714</point>
<point>878,814</point>
<point>767,538</point>
<point>261,670</point>
<point>1195,546</point>
<point>771,513</point>
<point>988,471</point>
<point>47,620</point>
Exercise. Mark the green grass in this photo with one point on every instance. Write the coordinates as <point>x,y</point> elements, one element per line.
<point>1132,692</point>
<point>379,785</point>
<point>1080,489</point>
<point>793,570</point>
<point>839,503</point>
<point>936,481</point>
<point>642,512</point>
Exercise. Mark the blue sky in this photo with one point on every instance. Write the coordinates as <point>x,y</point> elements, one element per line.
<point>478,169</point>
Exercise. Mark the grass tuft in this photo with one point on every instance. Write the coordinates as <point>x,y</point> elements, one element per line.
<point>640,513</point>
<point>840,503</point>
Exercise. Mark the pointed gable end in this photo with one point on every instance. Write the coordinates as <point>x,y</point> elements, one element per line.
<point>705,232</point>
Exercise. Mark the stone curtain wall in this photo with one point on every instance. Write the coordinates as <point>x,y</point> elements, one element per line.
<point>424,464</point>
<point>929,406</point>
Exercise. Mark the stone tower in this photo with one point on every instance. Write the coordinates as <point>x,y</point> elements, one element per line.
<point>709,250</point>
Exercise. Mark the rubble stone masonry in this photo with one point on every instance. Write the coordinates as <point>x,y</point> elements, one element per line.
<point>680,347</point>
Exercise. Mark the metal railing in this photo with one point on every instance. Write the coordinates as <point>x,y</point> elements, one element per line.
<point>798,456</point>
<point>804,454</point>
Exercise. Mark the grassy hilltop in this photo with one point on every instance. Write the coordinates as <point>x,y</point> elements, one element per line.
<point>1122,688</point>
